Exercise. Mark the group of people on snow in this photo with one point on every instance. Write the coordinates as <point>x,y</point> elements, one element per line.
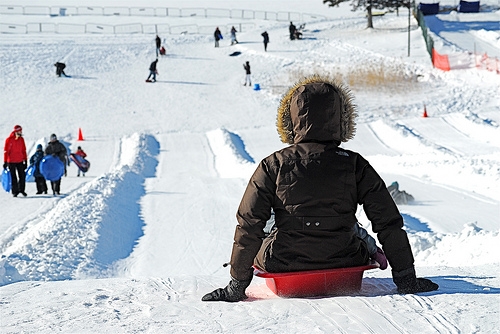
<point>160,50</point>
<point>313,187</point>
<point>15,159</point>
<point>233,31</point>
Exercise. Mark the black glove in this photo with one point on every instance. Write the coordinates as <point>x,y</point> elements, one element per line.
<point>409,283</point>
<point>25,165</point>
<point>5,165</point>
<point>233,292</point>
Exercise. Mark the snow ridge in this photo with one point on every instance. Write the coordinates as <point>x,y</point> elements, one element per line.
<point>231,158</point>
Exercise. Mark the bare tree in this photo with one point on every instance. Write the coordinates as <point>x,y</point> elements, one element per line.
<point>368,5</point>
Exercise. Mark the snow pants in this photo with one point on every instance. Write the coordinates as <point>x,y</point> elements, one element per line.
<point>41,185</point>
<point>18,176</point>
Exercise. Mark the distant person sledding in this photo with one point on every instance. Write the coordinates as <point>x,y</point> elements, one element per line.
<point>294,32</point>
<point>399,196</point>
<point>314,187</point>
<point>60,69</point>
<point>163,52</point>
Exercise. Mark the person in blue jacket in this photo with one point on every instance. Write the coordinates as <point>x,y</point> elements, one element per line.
<point>41,184</point>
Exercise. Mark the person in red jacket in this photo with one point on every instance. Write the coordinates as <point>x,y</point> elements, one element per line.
<point>15,157</point>
<point>80,152</point>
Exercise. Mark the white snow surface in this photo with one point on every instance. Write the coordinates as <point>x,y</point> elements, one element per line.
<point>134,245</point>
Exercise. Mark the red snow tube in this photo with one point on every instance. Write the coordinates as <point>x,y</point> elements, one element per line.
<point>326,282</point>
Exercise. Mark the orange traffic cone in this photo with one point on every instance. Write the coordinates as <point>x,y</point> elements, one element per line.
<point>80,136</point>
<point>425,112</point>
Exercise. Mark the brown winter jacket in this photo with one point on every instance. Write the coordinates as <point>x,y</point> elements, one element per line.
<point>314,188</point>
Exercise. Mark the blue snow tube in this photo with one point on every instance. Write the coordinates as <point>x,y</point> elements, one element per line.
<point>6,180</point>
<point>52,168</point>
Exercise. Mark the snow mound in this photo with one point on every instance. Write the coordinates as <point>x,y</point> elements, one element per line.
<point>472,246</point>
<point>231,158</point>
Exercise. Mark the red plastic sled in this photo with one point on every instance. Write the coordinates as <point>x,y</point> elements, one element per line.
<point>326,282</point>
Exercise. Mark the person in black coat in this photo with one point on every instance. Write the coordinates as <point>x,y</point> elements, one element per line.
<point>292,29</point>
<point>246,66</point>
<point>152,71</point>
<point>266,39</point>
<point>217,36</point>
<point>60,69</point>
<point>56,149</point>
<point>158,44</point>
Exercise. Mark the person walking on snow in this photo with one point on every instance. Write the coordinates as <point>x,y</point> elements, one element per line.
<point>158,44</point>
<point>81,153</point>
<point>217,36</point>
<point>41,183</point>
<point>246,66</point>
<point>314,188</point>
<point>15,158</point>
<point>152,71</point>
<point>233,36</point>
<point>266,39</point>
<point>56,149</point>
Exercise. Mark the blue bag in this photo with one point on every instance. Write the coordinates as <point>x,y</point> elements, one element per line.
<point>30,173</point>
<point>6,180</point>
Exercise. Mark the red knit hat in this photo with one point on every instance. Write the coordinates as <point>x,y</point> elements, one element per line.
<point>17,128</point>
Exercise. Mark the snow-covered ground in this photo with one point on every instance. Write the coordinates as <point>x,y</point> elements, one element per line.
<point>134,245</point>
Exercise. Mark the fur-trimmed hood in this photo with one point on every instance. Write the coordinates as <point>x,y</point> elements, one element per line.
<point>316,109</point>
